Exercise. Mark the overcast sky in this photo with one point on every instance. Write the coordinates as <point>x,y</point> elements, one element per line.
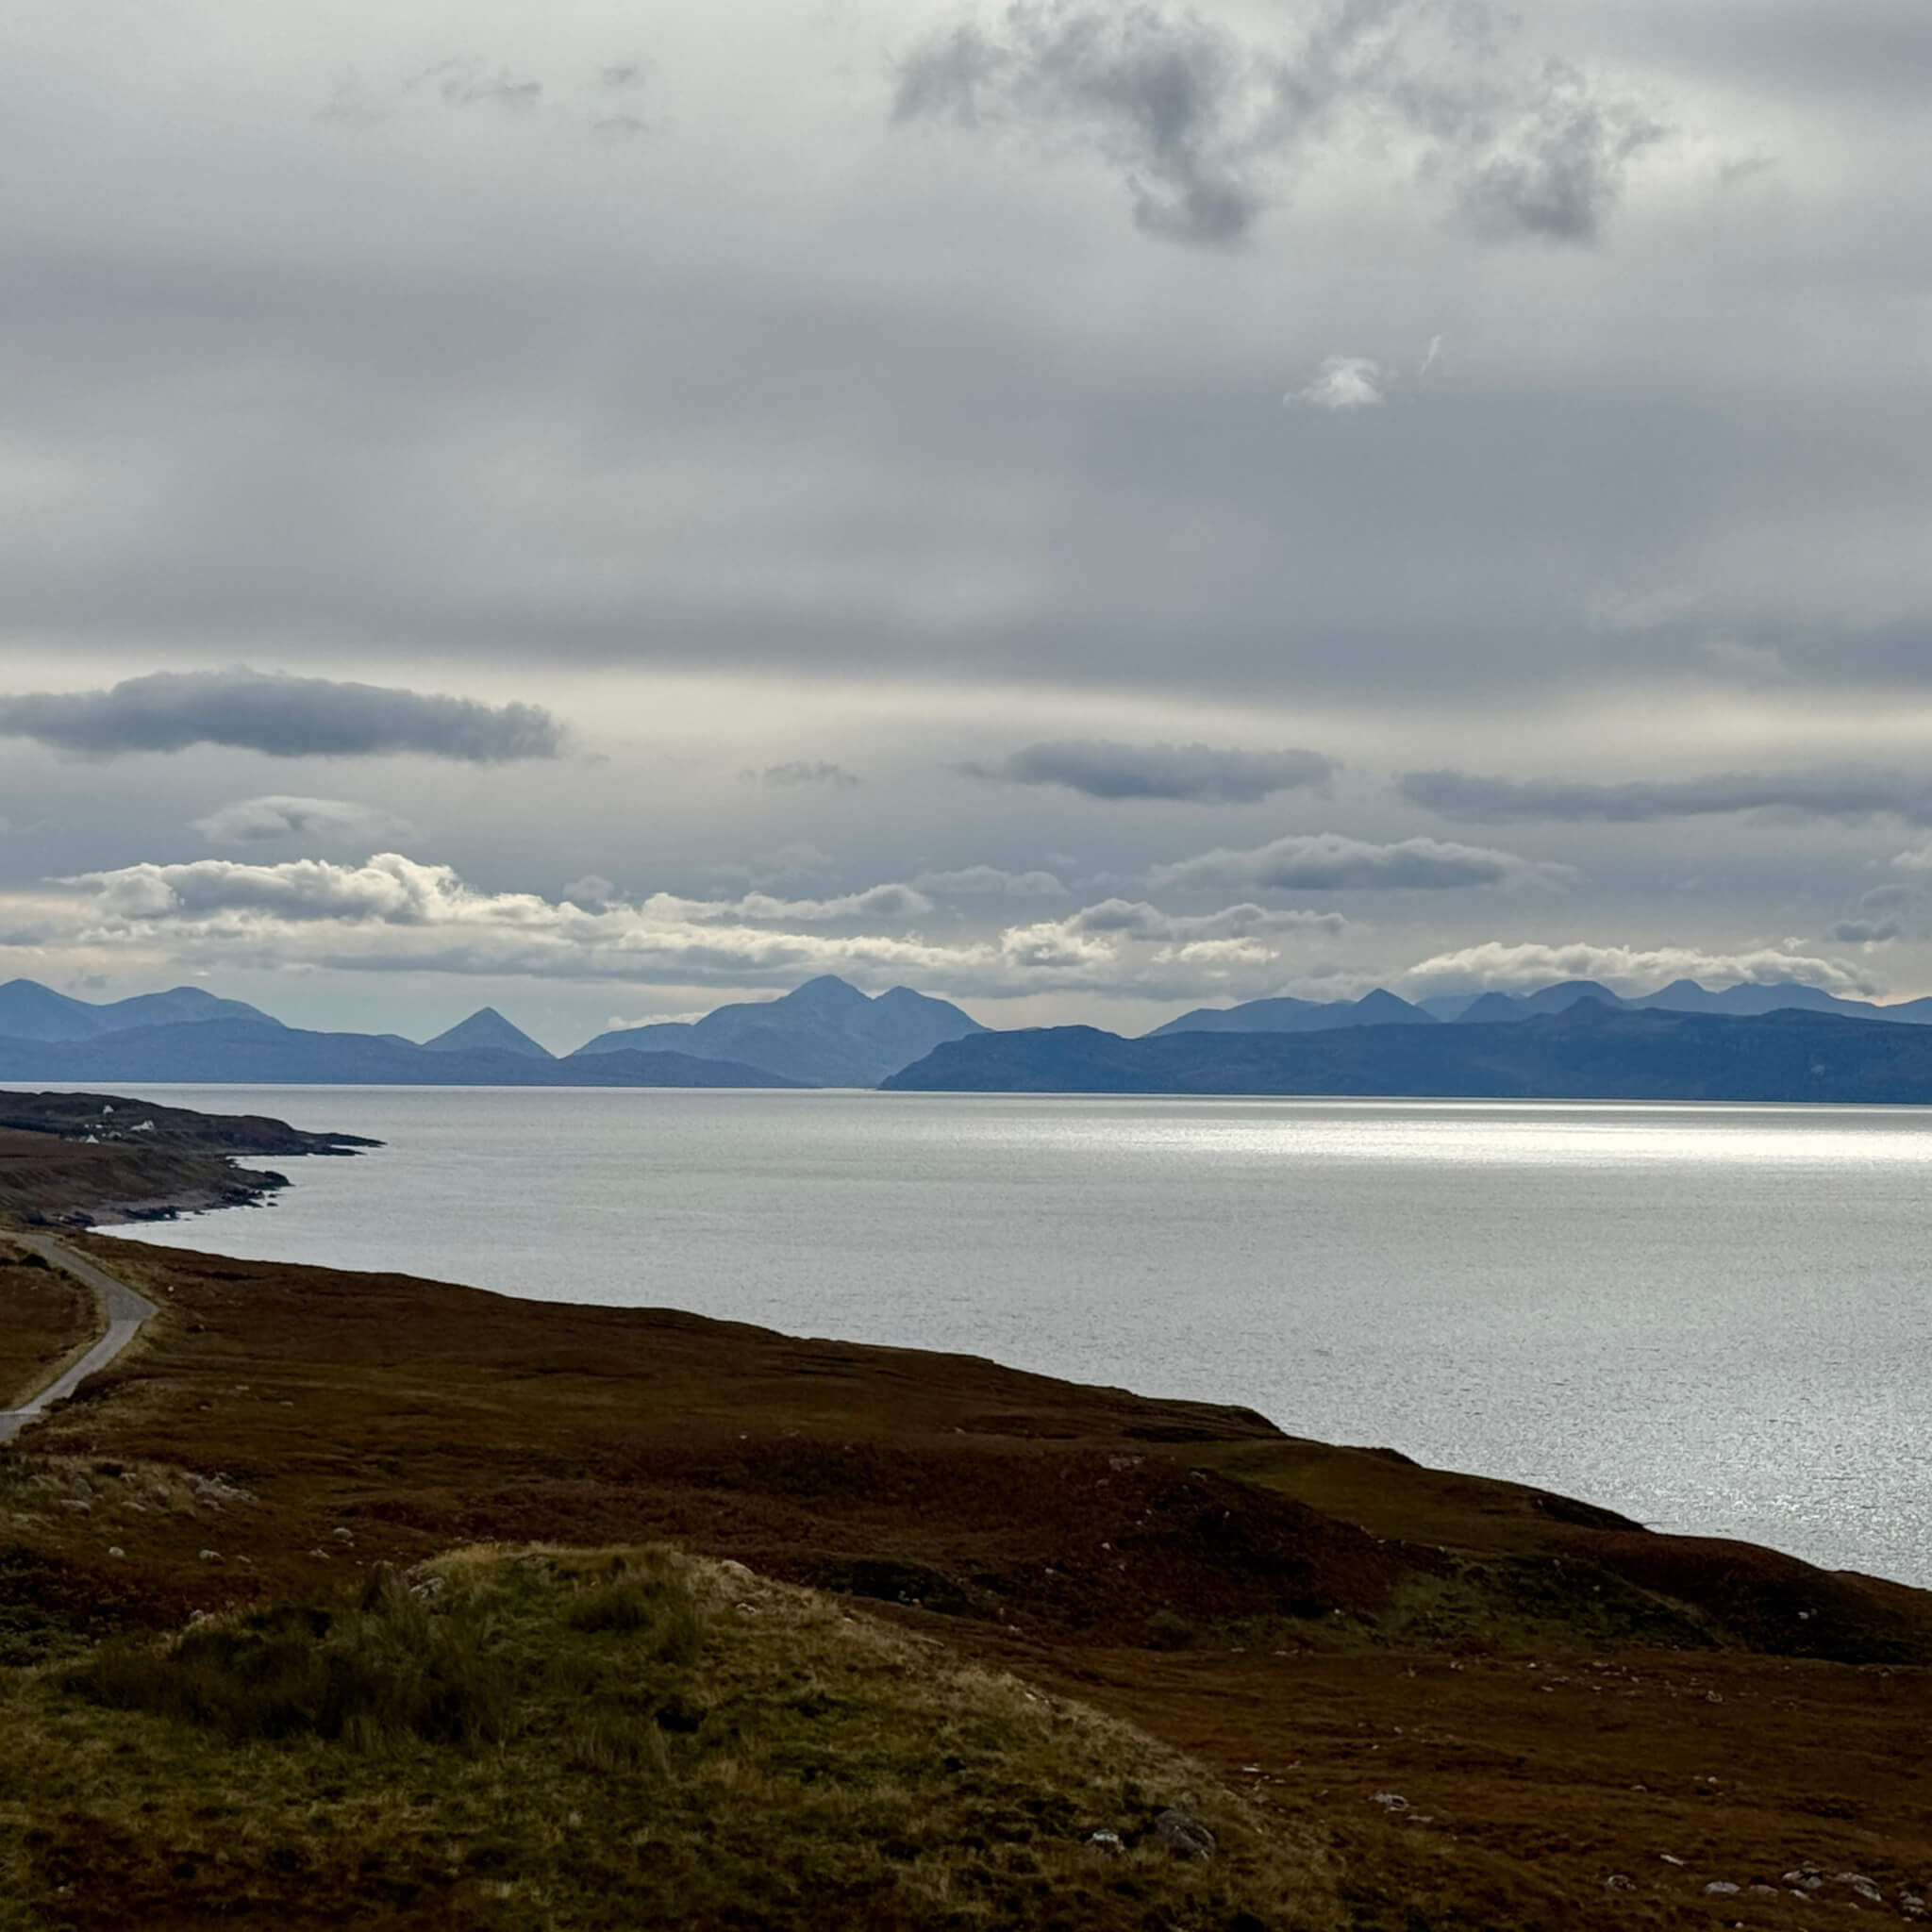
<point>1089,509</point>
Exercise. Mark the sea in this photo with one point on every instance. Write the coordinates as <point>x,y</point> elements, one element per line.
<point>1717,1319</point>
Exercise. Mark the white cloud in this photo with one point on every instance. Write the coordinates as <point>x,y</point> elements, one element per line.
<point>1346,382</point>
<point>1135,919</point>
<point>1511,968</point>
<point>1327,861</point>
<point>336,821</point>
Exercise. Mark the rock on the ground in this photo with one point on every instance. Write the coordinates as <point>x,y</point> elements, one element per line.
<point>1185,1837</point>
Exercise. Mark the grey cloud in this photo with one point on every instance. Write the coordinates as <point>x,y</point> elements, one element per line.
<point>462,85</point>
<point>1193,774</point>
<point>1199,122</point>
<point>1843,791</point>
<point>1886,912</point>
<point>1158,97</point>
<point>875,901</point>
<point>358,101</point>
<point>989,882</point>
<point>1326,861</point>
<point>1562,172</point>
<point>255,821</point>
<point>803,771</point>
<point>278,715</point>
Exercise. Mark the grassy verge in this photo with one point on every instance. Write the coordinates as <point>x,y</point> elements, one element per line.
<point>548,1739</point>
<point>46,1321</point>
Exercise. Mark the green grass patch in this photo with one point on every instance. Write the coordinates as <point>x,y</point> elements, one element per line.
<point>551,1739</point>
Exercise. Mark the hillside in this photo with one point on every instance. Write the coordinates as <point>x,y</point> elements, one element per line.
<point>1399,1697</point>
<point>1586,1052</point>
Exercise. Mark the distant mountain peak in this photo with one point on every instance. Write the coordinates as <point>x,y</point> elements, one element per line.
<point>486,1031</point>
<point>1382,1004</point>
<point>827,992</point>
<point>825,1033</point>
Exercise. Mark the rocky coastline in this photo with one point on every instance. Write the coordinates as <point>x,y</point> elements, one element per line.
<point>98,1159</point>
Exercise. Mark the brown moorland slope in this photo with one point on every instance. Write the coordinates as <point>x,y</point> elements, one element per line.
<point>1496,1706</point>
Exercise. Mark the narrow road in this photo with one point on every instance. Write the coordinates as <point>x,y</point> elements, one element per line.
<point>125,1310</point>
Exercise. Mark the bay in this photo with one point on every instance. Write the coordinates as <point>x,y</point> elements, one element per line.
<point>1715,1319</point>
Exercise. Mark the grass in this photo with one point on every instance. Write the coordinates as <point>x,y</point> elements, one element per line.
<point>370,1678</point>
<point>513,1739</point>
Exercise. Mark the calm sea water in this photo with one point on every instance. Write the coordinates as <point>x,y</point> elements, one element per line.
<point>1714,1319</point>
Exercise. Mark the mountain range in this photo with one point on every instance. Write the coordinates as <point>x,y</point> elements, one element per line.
<point>243,1052</point>
<point>1589,1050</point>
<point>1380,1009</point>
<point>827,1033</point>
<point>823,1034</point>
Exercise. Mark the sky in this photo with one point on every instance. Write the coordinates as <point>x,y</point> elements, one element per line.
<point>1087,509</point>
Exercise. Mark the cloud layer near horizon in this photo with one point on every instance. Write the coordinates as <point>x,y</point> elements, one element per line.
<point>394,915</point>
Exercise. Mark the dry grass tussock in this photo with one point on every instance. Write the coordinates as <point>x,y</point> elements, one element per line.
<point>537,1738</point>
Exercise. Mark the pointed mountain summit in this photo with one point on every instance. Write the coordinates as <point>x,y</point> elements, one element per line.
<point>486,1031</point>
<point>1382,1009</point>
<point>828,993</point>
<point>825,1033</point>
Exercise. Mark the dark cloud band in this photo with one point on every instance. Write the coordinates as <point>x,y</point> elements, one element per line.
<point>283,717</point>
<point>1847,791</point>
<point>1191,773</point>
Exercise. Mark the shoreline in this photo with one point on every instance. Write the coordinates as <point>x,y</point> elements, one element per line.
<point>88,1160</point>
